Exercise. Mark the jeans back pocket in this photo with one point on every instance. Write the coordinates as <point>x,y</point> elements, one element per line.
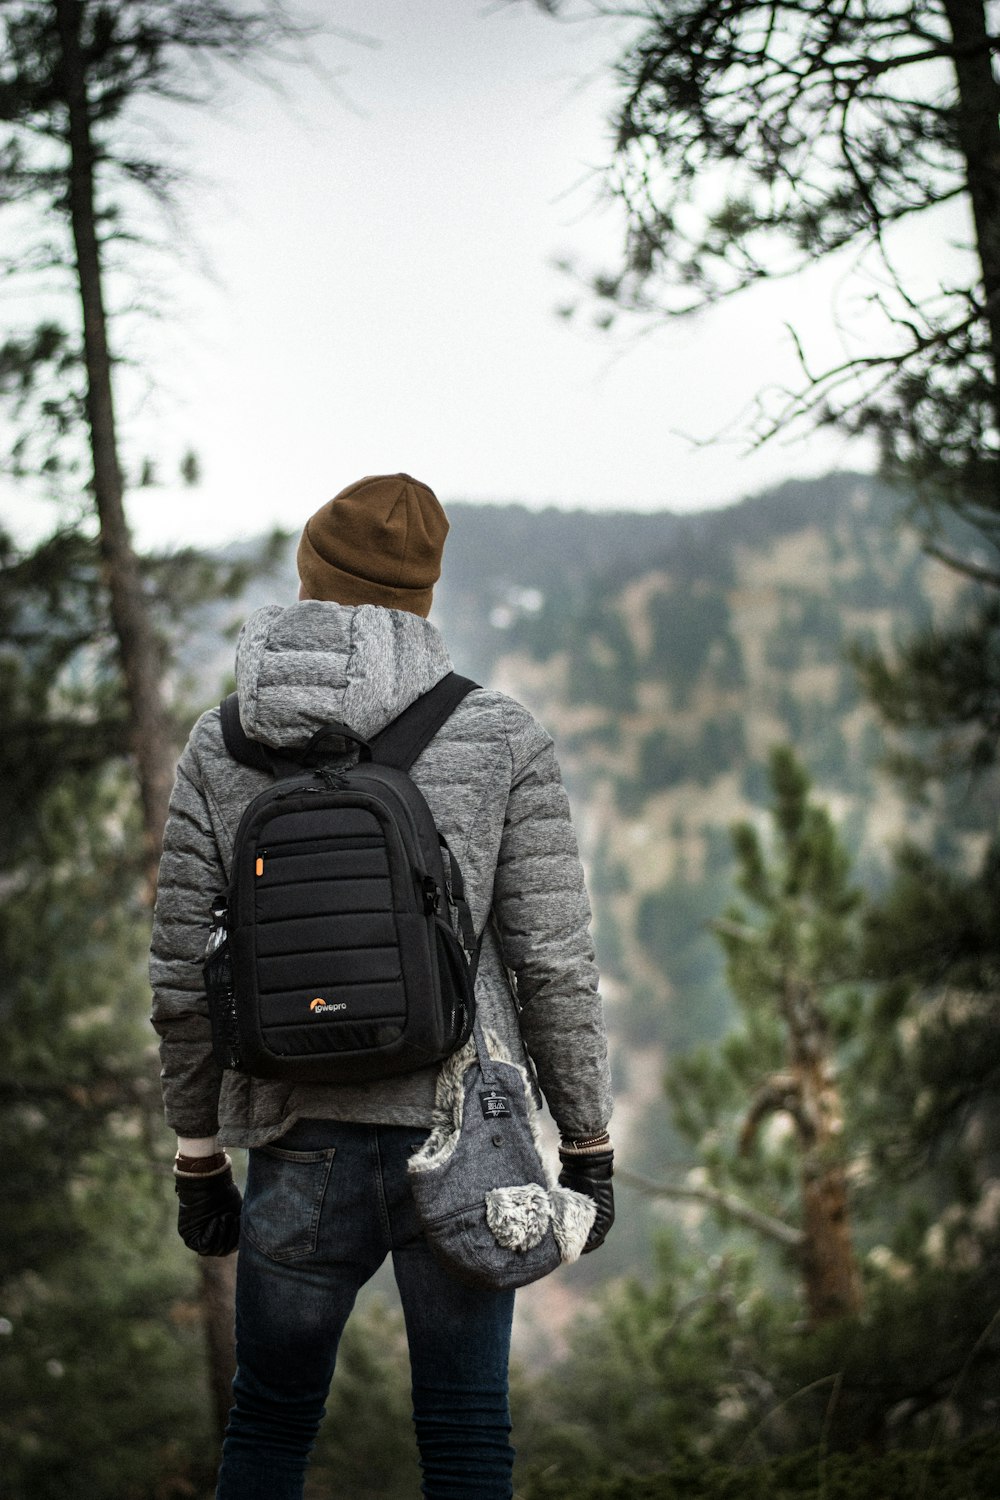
<point>284,1200</point>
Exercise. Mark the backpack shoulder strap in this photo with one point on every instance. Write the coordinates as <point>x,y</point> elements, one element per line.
<point>400,742</point>
<point>247,751</point>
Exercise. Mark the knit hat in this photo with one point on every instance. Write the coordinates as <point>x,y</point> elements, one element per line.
<point>377,542</point>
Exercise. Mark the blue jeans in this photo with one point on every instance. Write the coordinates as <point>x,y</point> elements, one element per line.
<point>323,1208</point>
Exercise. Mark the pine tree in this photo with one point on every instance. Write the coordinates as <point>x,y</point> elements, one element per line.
<point>755,138</point>
<point>766,1106</point>
<point>97,1365</point>
<point>813,1130</point>
<point>751,140</point>
<point>930,1053</point>
<point>71,75</point>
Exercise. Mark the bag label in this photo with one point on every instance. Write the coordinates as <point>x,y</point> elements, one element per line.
<point>494,1105</point>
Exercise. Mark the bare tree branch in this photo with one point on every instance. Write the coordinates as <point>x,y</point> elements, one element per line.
<point>963,565</point>
<point>781,1094</point>
<point>784,1234</point>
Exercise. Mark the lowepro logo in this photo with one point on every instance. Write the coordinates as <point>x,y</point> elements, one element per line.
<point>321,1007</point>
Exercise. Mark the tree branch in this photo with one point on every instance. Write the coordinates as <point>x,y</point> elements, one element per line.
<point>740,932</point>
<point>784,1234</point>
<point>962,565</point>
<point>781,1094</point>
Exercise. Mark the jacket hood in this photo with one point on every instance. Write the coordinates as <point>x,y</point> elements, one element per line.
<point>298,667</point>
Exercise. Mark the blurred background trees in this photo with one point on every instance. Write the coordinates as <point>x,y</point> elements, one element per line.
<point>86,656</point>
<point>753,138</point>
<point>792,966</point>
<point>73,72</point>
<point>750,140</point>
<point>100,1358</point>
<point>821,1270</point>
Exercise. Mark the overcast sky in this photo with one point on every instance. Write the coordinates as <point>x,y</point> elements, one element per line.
<point>382,293</point>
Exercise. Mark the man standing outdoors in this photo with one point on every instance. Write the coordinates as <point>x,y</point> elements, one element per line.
<point>327,1195</point>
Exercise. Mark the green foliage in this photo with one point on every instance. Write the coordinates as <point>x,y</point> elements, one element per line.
<point>704,1374</point>
<point>949,1471</point>
<point>41,376</point>
<point>663,760</point>
<point>666,759</point>
<point>60,696</point>
<point>935,924</point>
<point>803,891</point>
<point>644,1374</point>
<point>721,744</point>
<point>366,1446</point>
<point>946,683</point>
<point>61,693</point>
<point>101,1354</point>
<point>754,138</point>
<point>791,959</point>
<point>811,628</point>
<point>499,556</point>
<point>922,1360</point>
<point>100,1362</point>
<point>932,1094</point>
<point>599,634</point>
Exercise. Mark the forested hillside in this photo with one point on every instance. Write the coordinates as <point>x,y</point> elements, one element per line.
<point>667,674</point>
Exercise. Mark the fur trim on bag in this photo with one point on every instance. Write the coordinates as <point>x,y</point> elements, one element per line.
<point>518,1217</point>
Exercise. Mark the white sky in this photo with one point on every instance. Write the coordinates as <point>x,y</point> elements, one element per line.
<point>382,293</point>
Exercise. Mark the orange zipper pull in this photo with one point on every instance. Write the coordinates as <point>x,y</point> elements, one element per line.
<point>260,864</point>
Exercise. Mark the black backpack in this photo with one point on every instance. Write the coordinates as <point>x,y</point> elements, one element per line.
<point>334,955</point>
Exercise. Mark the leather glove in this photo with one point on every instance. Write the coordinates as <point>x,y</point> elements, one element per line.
<point>590,1173</point>
<point>208,1218</point>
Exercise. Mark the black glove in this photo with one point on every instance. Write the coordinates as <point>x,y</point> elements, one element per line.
<point>208,1219</point>
<point>590,1173</point>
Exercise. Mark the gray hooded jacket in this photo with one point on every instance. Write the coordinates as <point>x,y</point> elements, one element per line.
<point>491,780</point>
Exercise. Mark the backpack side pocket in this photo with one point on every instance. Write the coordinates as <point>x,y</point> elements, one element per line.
<point>218,973</point>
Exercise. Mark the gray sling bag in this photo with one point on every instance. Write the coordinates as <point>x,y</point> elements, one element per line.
<point>489,1211</point>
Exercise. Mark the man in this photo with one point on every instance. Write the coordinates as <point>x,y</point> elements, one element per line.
<point>327,1195</point>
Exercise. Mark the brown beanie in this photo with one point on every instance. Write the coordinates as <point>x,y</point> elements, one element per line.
<point>377,542</point>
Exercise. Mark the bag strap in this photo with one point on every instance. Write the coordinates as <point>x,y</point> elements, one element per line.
<point>483,1057</point>
<point>398,744</point>
<point>456,895</point>
<point>239,744</point>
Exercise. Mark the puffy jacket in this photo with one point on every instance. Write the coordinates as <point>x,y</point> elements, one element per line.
<point>492,782</point>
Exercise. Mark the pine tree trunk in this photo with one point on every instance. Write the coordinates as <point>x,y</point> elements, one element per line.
<point>829,1268</point>
<point>138,647</point>
<point>979,140</point>
<point>829,1271</point>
